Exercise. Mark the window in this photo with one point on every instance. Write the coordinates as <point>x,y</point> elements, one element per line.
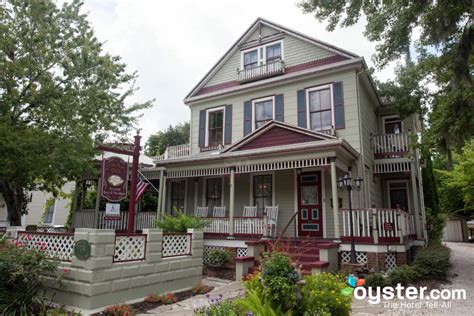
<point>320,108</point>
<point>216,127</point>
<point>49,211</point>
<point>398,194</point>
<point>178,191</point>
<point>213,192</point>
<point>393,125</point>
<point>262,191</point>
<point>251,59</point>
<point>273,53</point>
<point>263,111</point>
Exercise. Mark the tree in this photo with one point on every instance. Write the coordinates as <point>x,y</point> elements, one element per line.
<point>60,95</point>
<point>444,54</point>
<point>177,135</point>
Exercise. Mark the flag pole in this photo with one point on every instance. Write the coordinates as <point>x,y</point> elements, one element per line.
<point>133,189</point>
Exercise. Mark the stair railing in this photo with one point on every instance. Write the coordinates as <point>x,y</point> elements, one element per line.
<point>286,227</point>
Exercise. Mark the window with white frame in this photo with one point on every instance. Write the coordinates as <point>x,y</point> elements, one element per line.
<point>261,55</point>
<point>262,191</point>
<point>213,192</point>
<point>320,108</point>
<point>263,111</point>
<point>178,193</point>
<point>215,126</point>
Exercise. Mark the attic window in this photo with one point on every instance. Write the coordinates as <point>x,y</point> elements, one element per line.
<point>251,59</point>
<point>265,54</point>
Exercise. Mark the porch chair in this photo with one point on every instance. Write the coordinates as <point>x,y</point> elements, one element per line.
<point>250,211</point>
<point>201,211</point>
<point>219,211</point>
<point>272,218</point>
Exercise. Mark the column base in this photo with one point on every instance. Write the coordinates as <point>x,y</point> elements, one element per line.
<point>231,237</point>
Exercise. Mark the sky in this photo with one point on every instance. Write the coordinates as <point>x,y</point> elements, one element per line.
<point>172,44</point>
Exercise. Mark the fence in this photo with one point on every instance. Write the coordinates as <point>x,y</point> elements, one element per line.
<point>176,244</point>
<point>85,219</point>
<point>129,247</point>
<point>55,245</point>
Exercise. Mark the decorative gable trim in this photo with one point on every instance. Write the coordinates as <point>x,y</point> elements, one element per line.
<point>274,131</point>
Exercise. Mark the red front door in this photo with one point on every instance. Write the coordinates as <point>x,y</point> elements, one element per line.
<point>310,221</point>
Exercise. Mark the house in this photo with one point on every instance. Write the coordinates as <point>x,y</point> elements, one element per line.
<point>275,123</point>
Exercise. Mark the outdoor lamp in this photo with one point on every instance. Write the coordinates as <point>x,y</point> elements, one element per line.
<point>347,180</point>
<point>340,183</point>
<point>358,183</point>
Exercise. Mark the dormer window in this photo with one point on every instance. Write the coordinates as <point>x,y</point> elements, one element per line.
<point>250,59</point>
<point>261,62</point>
<point>273,53</point>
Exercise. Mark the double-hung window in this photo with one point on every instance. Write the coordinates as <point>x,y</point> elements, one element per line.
<point>215,130</point>
<point>320,108</point>
<point>251,59</point>
<point>273,53</point>
<point>213,192</point>
<point>264,54</point>
<point>264,111</point>
<point>178,191</point>
<point>262,191</point>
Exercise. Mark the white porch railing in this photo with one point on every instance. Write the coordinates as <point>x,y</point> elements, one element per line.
<point>391,145</point>
<point>388,223</point>
<point>177,151</point>
<point>85,219</point>
<point>242,225</point>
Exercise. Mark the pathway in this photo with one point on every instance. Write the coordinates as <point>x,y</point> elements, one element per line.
<point>462,277</point>
<point>228,289</point>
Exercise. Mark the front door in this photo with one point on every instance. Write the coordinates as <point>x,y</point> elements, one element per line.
<point>310,223</point>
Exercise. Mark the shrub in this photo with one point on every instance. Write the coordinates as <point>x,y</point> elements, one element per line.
<point>218,307</point>
<point>219,257</point>
<point>119,310</point>
<point>259,306</point>
<point>180,223</point>
<point>432,262</point>
<point>200,289</point>
<point>152,298</point>
<point>322,293</point>
<point>253,282</point>
<point>279,281</point>
<point>376,280</point>
<point>404,275</point>
<point>21,289</point>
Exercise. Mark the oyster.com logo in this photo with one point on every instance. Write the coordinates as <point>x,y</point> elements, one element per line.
<point>352,282</point>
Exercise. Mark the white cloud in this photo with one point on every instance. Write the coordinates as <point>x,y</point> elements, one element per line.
<point>172,44</point>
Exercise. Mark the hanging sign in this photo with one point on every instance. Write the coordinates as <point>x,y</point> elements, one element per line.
<point>112,211</point>
<point>114,179</point>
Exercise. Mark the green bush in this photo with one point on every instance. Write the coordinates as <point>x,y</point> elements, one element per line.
<point>279,281</point>
<point>180,223</point>
<point>403,274</point>
<point>432,262</point>
<point>219,257</point>
<point>322,294</point>
<point>21,289</point>
<point>376,280</point>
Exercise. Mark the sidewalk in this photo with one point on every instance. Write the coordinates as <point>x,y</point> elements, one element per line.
<point>228,289</point>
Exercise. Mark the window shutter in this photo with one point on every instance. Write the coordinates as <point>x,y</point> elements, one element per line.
<point>279,108</point>
<point>338,105</point>
<point>202,128</point>
<point>228,124</point>
<point>302,108</point>
<point>247,117</point>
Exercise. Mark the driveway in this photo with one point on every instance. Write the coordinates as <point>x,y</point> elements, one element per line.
<point>461,277</point>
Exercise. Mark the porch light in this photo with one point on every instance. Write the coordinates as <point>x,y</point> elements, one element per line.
<point>347,181</point>
<point>340,183</point>
<point>358,183</point>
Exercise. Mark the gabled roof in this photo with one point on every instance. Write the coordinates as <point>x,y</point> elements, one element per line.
<point>275,133</point>
<point>258,22</point>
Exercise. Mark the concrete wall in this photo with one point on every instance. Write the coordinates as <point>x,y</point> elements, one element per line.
<point>99,282</point>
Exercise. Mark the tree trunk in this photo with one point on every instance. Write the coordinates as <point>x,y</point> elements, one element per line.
<point>16,201</point>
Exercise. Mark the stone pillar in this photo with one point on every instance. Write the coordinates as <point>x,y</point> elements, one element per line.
<point>12,232</point>
<point>335,200</point>
<point>231,202</point>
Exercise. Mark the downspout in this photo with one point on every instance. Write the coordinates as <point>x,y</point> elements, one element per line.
<point>361,164</point>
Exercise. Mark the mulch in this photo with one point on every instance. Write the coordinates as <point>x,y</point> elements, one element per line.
<point>221,273</point>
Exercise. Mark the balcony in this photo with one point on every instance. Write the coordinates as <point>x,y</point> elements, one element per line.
<point>268,70</point>
<point>174,152</point>
<point>391,145</point>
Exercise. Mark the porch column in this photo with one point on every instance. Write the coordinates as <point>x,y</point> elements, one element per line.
<point>160,194</point>
<point>163,197</point>
<point>97,203</point>
<point>196,188</point>
<point>231,202</point>
<point>335,200</point>
<point>416,199</point>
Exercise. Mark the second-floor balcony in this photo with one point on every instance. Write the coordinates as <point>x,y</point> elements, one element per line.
<point>391,145</point>
<point>178,151</point>
<point>267,70</point>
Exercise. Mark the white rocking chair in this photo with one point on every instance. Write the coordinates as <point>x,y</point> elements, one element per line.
<point>219,211</point>
<point>272,218</point>
<point>250,211</point>
<point>201,211</point>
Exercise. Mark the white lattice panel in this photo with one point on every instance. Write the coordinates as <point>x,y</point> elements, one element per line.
<point>129,248</point>
<point>207,250</point>
<point>176,245</point>
<point>390,261</point>
<point>361,257</point>
<point>54,245</point>
<point>241,252</point>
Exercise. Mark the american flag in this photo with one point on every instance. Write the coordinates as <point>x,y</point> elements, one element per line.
<point>141,187</point>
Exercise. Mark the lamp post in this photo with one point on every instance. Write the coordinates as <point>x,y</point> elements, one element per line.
<point>345,184</point>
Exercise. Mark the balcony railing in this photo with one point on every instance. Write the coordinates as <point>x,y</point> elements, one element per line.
<point>391,145</point>
<point>253,226</point>
<point>378,225</point>
<point>178,151</point>
<point>260,72</point>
